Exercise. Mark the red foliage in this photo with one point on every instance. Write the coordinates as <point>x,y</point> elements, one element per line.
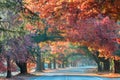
<point>2,67</point>
<point>96,33</point>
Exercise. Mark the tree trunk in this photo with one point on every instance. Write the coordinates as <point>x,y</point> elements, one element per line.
<point>97,60</point>
<point>106,65</point>
<point>9,75</point>
<point>116,66</point>
<point>71,64</point>
<point>59,65</point>
<point>43,64</point>
<point>23,67</point>
<point>54,63</point>
<point>63,65</point>
<point>99,67</point>
<point>39,63</point>
<point>66,63</point>
<point>49,65</point>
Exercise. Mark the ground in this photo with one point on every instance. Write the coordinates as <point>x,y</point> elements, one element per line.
<point>87,73</point>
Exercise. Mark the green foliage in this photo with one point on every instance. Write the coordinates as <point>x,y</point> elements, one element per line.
<point>10,27</point>
<point>8,33</point>
<point>42,36</point>
<point>11,5</point>
<point>34,51</point>
<point>86,50</point>
<point>73,46</point>
<point>32,17</point>
<point>0,47</point>
<point>76,57</point>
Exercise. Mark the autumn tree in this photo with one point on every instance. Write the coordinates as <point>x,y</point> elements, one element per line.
<point>71,16</point>
<point>83,21</point>
<point>17,50</point>
<point>97,35</point>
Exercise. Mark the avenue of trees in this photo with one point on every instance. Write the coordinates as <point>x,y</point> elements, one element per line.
<point>35,32</point>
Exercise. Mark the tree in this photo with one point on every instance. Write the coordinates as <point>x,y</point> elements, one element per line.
<point>17,49</point>
<point>99,38</point>
<point>12,30</point>
<point>76,17</point>
<point>22,50</point>
<point>116,61</point>
<point>45,34</point>
<point>96,34</point>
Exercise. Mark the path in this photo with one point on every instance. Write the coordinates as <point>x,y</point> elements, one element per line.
<point>71,74</point>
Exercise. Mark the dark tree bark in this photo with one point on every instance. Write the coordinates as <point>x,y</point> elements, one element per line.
<point>116,66</point>
<point>59,65</point>
<point>49,65</point>
<point>23,67</point>
<point>39,63</point>
<point>54,63</point>
<point>43,64</point>
<point>9,75</point>
<point>66,63</point>
<point>72,64</point>
<point>99,67</point>
<point>63,64</point>
<point>106,65</point>
<point>97,60</point>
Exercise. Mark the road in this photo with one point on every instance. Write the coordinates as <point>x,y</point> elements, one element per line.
<point>72,78</point>
<point>69,74</point>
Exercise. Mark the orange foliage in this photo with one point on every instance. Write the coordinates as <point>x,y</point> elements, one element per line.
<point>70,15</point>
<point>60,12</point>
<point>29,27</point>
<point>30,66</point>
<point>58,47</point>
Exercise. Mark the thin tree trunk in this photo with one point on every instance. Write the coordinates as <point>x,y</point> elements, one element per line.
<point>63,66</point>
<point>59,65</point>
<point>39,63</point>
<point>66,63</point>
<point>43,64</point>
<point>9,75</point>
<point>72,64</point>
<point>50,65</point>
<point>54,63</point>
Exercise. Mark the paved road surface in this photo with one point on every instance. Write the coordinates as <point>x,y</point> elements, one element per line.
<point>72,78</point>
<point>69,74</point>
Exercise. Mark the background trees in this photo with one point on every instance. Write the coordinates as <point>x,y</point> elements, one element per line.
<point>83,21</point>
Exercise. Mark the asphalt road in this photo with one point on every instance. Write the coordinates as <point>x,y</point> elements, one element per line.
<point>72,78</point>
<point>69,74</point>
